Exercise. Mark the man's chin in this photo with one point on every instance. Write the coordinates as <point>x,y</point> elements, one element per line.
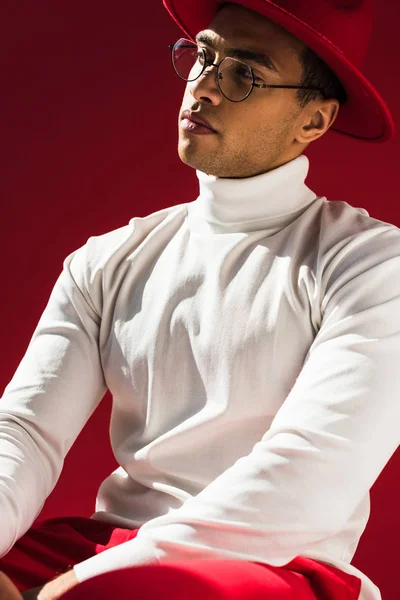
<point>193,159</point>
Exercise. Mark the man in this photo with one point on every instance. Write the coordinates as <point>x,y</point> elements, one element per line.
<point>251,340</point>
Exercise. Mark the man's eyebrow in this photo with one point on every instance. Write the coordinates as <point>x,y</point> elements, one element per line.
<point>255,56</point>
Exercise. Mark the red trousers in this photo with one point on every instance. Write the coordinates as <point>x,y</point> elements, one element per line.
<point>53,546</point>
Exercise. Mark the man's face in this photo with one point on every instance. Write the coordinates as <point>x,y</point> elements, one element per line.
<point>258,134</point>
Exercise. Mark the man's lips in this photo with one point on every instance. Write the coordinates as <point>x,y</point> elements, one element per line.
<point>196,118</point>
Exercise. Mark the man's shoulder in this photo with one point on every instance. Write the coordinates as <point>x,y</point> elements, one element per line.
<point>342,223</point>
<point>121,242</point>
<point>138,226</point>
<point>345,235</point>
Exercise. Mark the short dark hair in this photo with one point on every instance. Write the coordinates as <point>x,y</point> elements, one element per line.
<point>316,73</point>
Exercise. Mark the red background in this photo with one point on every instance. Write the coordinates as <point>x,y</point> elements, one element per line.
<point>89,109</point>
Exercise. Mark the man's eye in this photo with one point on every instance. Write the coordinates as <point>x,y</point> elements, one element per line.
<point>199,55</point>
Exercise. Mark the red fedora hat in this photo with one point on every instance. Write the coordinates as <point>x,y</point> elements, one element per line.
<point>338,31</point>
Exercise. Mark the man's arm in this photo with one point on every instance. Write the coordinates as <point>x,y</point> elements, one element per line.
<point>327,445</point>
<point>55,389</point>
<point>56,588</point>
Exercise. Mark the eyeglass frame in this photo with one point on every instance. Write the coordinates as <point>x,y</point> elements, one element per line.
<point>253,84</point>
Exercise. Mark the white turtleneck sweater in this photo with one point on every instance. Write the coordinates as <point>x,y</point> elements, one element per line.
<point>251,342</point>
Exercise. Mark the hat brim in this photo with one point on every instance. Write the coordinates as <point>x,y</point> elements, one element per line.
<point>364,116</point>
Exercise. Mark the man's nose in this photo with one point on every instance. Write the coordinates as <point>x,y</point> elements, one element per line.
<point>206,86</point>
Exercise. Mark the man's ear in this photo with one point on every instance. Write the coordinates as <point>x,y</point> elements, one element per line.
<point>318,119</point>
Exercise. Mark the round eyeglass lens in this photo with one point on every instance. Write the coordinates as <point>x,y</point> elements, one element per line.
<point>235,77</point>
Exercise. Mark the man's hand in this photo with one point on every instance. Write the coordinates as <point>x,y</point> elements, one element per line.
<point>55,588</point>
<point>8,591</point>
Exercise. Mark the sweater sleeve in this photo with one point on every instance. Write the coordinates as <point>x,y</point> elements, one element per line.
<point>57,385</point>
<point>328,443</point>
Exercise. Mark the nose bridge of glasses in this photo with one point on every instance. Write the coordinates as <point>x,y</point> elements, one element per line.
<point>209,65</point>
<point>220,66</point>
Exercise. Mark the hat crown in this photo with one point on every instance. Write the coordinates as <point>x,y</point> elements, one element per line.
<point>347,24</point>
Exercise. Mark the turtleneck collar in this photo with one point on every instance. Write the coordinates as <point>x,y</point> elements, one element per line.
<point>268,201</point>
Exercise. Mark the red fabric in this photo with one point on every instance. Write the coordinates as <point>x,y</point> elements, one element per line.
<point>53,546</point>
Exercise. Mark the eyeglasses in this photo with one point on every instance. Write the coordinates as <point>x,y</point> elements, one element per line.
<point>235,78</point>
